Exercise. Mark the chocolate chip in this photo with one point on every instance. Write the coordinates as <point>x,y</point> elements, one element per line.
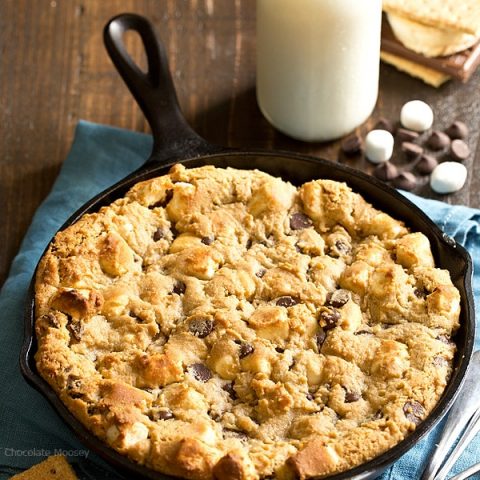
<point>329,318</point>
<point>351,397</point>
<point>299,221</point>
<point>246,349</point>
<point>426,164</point>
<point>457,130</point>
<point>439,361</point>
<point>215,415</point>
<point>168,197</point>
<point>286,301</point>
<point>200,372</point>
<point>207,240</point>
<point>158,235</point>
<point>420,292</point>
<point>414,411</point>
<point>405,181</point>
<point>228,387</point>
<point>445,339</point>
<point>179,287</point>
<point>50,319</point>
<point>404,135</point>
<point>459,150</point>
<point>411,150</point>
<point>438,140</point>
<point>201,327</point>
<point>338,298</point>
<point>249,244</point>
<point>76,329</point>
<point>342,247</point>
<point>163,203</point>
<point>261,273</point>
<point>320,338</point>
<point>352,145</point>
<point>310,397</point>
<point>384,124</point>
<point>363,332</point>
<point>386,171</point>
<point>74,384</point>
<point>164,415</point>
<point>279,349</point>
<point>94,410</point>
<point>378,415</point>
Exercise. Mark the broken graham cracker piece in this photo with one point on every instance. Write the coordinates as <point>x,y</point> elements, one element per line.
<point>457,15</point>
<point>459,65</point>
<point>427,40</point>
<point>53,468</point>
<point>316,459</point>
<point>428,75</point>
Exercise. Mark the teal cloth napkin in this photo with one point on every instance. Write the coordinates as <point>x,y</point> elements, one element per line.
<point>29,428</point>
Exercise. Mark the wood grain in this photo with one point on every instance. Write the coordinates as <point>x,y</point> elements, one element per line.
<point>55,71</point>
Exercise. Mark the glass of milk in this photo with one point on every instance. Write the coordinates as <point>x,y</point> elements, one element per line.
<point>317,65</point>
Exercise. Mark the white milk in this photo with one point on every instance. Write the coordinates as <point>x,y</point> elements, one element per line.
<point>317,64</point>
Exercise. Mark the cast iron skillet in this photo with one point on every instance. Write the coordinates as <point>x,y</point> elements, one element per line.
<point>175,141</point>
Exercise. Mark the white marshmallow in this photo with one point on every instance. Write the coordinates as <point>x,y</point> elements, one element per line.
<point>448,177</point>
<point>416,115</point>
<point>378,146</point>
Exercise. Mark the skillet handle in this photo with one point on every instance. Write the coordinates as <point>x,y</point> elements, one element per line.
<point>154,91</point>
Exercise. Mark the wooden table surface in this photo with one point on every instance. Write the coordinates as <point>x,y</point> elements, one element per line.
<point>55,71</point>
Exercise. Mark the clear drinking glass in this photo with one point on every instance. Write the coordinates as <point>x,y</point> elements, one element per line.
<point>317,65</point>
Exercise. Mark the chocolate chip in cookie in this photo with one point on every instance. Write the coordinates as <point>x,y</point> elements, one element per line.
<point>320,338</point>
<point>200,372</point>
<point>246,349</point>
<point>207,240</point>
<point>158,235</point>
<point>351,396</point>
<point>179,288</point>
<point>445,339</point>
<point>164,414</point>
<point>201,327</point>
<point>286,301</point>
<point>261,273</point>
<point>299,221</point>
<point>76,329</point>
<point>228,387</point>
<point>363,332</point>
<point>329,318</point>
<point>340,247</point>
<point>439,361</point>
<point>414,411</point>
<point>338,298</point>
<point>165,201</point>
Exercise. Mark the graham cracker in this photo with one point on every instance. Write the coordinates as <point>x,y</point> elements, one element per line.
<point>428,75</point>
<point>53,468</point>
<point>459,15</point>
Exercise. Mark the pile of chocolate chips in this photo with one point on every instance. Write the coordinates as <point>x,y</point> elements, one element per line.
<point>416,154</point>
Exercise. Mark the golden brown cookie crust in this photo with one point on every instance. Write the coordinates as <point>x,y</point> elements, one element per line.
<point>222,323</point>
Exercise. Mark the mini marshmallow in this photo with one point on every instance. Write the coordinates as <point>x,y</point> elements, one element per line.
<point>448,177</point>
<point>416,115</point>
<point>379,146</point>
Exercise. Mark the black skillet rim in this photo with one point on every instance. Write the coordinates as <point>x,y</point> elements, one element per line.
<point>366,470</point>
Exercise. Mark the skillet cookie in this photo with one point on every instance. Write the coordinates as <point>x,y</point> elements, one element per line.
<point>222,323</point>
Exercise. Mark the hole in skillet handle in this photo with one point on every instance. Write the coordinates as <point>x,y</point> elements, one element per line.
<point>154,91</point>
